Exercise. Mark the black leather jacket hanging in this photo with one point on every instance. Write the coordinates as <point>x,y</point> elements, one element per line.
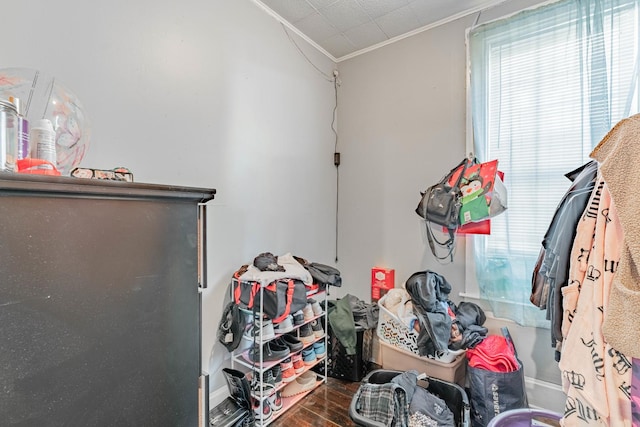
<point>429,293</point>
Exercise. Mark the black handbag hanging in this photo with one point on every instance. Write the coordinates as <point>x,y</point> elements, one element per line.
<point>440,205</point>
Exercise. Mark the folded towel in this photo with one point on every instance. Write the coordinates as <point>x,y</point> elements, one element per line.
<point>493,354</point>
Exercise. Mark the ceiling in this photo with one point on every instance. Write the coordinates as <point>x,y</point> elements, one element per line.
<point>345,28</point>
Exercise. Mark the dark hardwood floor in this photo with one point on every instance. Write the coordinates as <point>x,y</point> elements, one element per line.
<point>328,405</point>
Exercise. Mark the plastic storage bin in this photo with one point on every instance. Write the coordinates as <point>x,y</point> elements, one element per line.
<point>526,417</point>
<point>453,395</point>
<point>397,358</point>
<point>343,366</point>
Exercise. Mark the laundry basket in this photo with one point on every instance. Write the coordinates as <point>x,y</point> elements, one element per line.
<point>453,395</point>
<point>393,331</point>
<point>526,417</point>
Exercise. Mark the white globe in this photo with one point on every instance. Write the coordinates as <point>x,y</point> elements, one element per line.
<point>43,97</point>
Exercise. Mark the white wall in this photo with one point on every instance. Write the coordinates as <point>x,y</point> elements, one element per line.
<point>204,93</point>
<point>402,115</point>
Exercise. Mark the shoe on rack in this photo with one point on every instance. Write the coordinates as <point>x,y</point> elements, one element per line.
<point>318,330</point>
<point>275,401</point>
<point>270,352</point>
<point>262,410</point>
<point>303,383</point>
<point>252,330</point>
<point>309,356</point>
<point>306,335</point>
<point>298,364</point>
<point>288,373</point>
<point>284,326</point>
<point>315,306</point>
<point>320,349</point>
<point>290,341</point>
<point>276,370</point>
<point>307,312</point>
<point>264,387</point>
<point>298,318</point>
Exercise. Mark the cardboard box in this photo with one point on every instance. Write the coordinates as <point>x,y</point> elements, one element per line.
<point>382,279</point>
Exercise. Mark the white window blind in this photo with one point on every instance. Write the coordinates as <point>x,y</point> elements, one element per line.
<point>546,86</point>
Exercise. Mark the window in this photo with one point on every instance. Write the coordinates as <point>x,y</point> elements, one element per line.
<point>545,86</point>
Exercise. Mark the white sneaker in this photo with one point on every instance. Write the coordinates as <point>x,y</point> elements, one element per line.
<point>308,313</point>
<point>252,330</point>
<point>285,326</point>
<point>262,410</point>
<point>315,306</point>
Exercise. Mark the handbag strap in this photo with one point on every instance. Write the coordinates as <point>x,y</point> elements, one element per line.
<point>449,244</point>
<point>464,163</point>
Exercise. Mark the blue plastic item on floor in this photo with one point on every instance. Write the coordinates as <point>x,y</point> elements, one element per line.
<point>526,417</point>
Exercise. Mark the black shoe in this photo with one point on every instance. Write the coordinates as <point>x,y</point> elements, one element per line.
<point>239,387</point>
<point>290,341</point>
<point>298,318</point>
<point>270,352</point>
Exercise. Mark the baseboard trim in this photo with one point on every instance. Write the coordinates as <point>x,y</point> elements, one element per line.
<point>545,395</point>
<point>218,396</point>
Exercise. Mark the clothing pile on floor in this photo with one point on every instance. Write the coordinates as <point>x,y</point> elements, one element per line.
<point>425,307</point>
<point>403,402</point>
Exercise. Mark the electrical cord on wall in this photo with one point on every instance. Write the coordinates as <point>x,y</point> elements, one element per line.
<point>325,75</point>
<point>336,155</point>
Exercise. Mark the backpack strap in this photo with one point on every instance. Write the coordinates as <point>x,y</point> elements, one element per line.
<point>289,300</point>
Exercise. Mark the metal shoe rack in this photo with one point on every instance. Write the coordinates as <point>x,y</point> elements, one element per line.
<point>258,368</point>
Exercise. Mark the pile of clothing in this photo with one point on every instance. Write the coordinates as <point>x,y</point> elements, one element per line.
<point>495,354</point>
<point>425,307</point>
<point>402,402</point>
<point>290,279</point>
<point>346,316</point>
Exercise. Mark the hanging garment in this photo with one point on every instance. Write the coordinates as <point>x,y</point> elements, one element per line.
<point>552,268</point>
<point>582,179</point>
<point>635,393</point>
<point>595,377</point>
<point>619,159</point>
